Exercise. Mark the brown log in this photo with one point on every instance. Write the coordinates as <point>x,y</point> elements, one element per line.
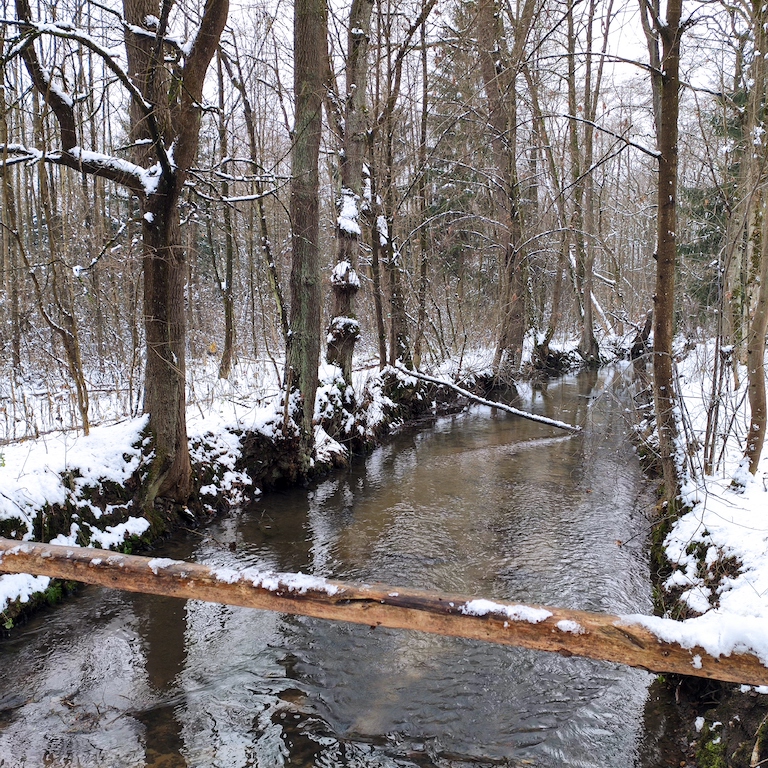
<point>593,635</point>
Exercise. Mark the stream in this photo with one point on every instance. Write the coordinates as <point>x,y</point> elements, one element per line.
<point>482,503</point>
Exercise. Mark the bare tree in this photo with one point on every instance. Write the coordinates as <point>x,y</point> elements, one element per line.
<point>582,143</point>
<point>164,125</point>
<point>235,72</point>
<point>500,66</point>
<point>754,236</point>
<point>385,202</point>
<point>666,88</point>
<point>227,279</point>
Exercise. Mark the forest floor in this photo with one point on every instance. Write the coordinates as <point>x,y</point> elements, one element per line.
<point>75,490</point>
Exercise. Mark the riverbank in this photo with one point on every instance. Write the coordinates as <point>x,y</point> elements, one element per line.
<point>713,574</point>
<point>76,490</point>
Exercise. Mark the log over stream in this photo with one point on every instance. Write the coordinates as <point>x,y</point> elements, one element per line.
<point>567,632</point>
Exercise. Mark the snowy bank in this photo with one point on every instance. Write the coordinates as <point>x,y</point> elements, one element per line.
<point>717,553</point>
<point>78,490</point>
<point>718,550</point>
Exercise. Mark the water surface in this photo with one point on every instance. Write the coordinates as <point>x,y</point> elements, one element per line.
<point>482,503</point>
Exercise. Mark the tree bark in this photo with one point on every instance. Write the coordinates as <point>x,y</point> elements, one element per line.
<point>581,144</point>
<point>668,80</point>
<point>165,121</point>
<point>165,273</point>
<point>310,41</point>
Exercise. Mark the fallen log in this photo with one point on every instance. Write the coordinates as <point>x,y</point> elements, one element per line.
<point>491,403</point>
<point>570,633</point>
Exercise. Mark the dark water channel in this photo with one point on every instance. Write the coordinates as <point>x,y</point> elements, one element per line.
<point>482,503</point>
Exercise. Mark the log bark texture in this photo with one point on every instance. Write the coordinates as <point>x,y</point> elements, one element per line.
<point>567,632</point>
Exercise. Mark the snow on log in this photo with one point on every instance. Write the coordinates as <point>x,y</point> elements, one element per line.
<point>491,403</point>
<point>626,640</point>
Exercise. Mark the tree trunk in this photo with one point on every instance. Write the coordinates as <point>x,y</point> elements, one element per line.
<point>666,249</point>
<point>226,286</point>
<point>344,328</point>
<point>750,242</point>
<point>421,196</point>
<point>378,301</point>
<point>384,220</point>
<point>399,343</point>
<point>56,305</point>
<point>165,322</point>
<point>542,134</point>
<point>499,69</point>
<point>8,240</point>
<point>310,40</point>
<point>582,157</point>
<point>756,360</point>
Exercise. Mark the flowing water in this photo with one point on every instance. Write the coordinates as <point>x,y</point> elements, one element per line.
<point>482,503</point>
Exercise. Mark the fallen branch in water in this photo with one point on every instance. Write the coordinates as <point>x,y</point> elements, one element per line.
<point>571,633</point>
<point>490,403</point>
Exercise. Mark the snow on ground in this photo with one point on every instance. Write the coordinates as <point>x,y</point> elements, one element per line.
<point>31,479</point>
<point>719,549</point>
<point>32,473</point>
<point>54,468</point>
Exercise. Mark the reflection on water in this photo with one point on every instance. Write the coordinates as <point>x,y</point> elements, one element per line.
<point>482,503</point>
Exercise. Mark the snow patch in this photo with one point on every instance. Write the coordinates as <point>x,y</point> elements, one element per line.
<point>117,534</point>
<point>21,587</point>
<point>272,581</point>
<point>348,215</point>
<point>566,625</point>
<point>482,607</point>
<point>157,563</point>
<point>344,274</point>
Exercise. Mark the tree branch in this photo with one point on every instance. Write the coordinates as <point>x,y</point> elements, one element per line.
<point>650,152</point>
